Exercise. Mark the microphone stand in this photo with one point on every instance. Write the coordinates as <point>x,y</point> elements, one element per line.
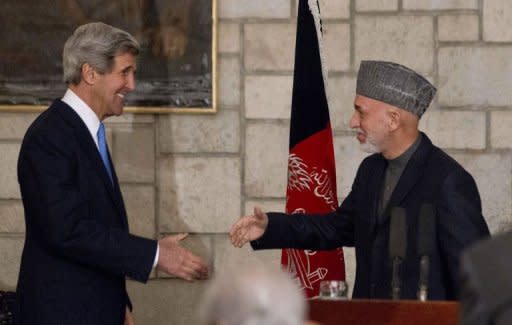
<point>397,248</point>
<point>395,280</point>
<point>423,283</point>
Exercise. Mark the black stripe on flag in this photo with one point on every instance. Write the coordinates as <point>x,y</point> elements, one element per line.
<point>310,112</point>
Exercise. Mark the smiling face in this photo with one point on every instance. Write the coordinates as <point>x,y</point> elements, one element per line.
<point>110,89</point>
<point>371,120</point>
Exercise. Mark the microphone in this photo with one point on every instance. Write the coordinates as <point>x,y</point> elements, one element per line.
<point>397,247</point>
<point>426,244</point>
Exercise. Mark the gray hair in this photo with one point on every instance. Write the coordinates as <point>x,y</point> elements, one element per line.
<point>253,295</point>
<point>96,44</point>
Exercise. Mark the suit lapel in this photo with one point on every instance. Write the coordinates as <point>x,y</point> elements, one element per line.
<point>91,151</point>
<point>410,176</point>
<point>117,192</point>
<point>375,187</point>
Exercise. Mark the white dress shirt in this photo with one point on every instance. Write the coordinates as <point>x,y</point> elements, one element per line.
<point>86,113</point>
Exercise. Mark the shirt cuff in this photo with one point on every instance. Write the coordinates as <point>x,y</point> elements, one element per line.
<point>155,262</point>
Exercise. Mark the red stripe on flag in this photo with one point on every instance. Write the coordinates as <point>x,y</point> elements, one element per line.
<point>312,189</point>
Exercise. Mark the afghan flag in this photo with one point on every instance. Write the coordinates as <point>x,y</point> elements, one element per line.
<point>311,167</point>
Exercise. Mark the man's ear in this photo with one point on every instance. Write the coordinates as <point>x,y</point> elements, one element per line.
<point>394,119</point>
<point>89,75</point>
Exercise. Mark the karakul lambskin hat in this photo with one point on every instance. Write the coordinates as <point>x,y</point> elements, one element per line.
<point>396,85</point>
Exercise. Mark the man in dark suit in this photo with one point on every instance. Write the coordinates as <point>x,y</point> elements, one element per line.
<point>78,249</point>
<point>405,170</point>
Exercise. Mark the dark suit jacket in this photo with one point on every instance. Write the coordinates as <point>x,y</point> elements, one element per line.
<point>486,282</point>
<point>430,176</point>
<point>77,249</point>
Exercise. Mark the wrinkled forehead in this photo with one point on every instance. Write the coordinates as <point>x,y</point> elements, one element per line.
<point>367,103</point>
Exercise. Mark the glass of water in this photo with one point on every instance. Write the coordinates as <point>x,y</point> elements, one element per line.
<point>333,289</point>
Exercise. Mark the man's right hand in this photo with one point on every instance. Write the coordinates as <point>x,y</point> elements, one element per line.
<point>249,228</point>
<point>176,260</point>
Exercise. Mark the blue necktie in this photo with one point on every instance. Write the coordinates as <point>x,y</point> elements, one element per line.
<point>102,144</point>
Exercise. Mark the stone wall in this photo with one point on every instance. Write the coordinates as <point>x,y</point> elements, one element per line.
<point>199,173</point>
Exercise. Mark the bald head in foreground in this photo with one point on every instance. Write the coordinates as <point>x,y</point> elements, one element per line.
<point>253,294</point>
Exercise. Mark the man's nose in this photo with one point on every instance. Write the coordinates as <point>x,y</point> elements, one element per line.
<point>131,82</point>
<point>354,121</point>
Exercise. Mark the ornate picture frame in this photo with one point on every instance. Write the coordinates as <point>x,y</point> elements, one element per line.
<point>177,70</point>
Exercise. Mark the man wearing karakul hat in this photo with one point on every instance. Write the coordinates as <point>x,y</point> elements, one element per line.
<point>405,170</point>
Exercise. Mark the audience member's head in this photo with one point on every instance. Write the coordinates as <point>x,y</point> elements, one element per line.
<point>486,282</point>
<point>253,295</point>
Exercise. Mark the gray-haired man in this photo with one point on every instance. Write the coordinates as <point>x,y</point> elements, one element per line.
<point>78,250</point>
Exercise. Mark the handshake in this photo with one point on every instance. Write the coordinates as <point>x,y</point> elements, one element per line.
<point>176,260</point>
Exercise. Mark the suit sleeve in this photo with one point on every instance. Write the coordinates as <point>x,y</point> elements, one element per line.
<point>61,218</point>
<point>304,231</point>
<point>460,220</point>
<point>315,232</point>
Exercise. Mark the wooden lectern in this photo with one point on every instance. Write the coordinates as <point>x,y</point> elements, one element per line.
<point>383,312</point>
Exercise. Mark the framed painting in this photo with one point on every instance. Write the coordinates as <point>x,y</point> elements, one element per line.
<point>176,67</point>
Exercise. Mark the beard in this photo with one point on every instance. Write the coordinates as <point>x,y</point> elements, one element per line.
<point>370,145</point>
